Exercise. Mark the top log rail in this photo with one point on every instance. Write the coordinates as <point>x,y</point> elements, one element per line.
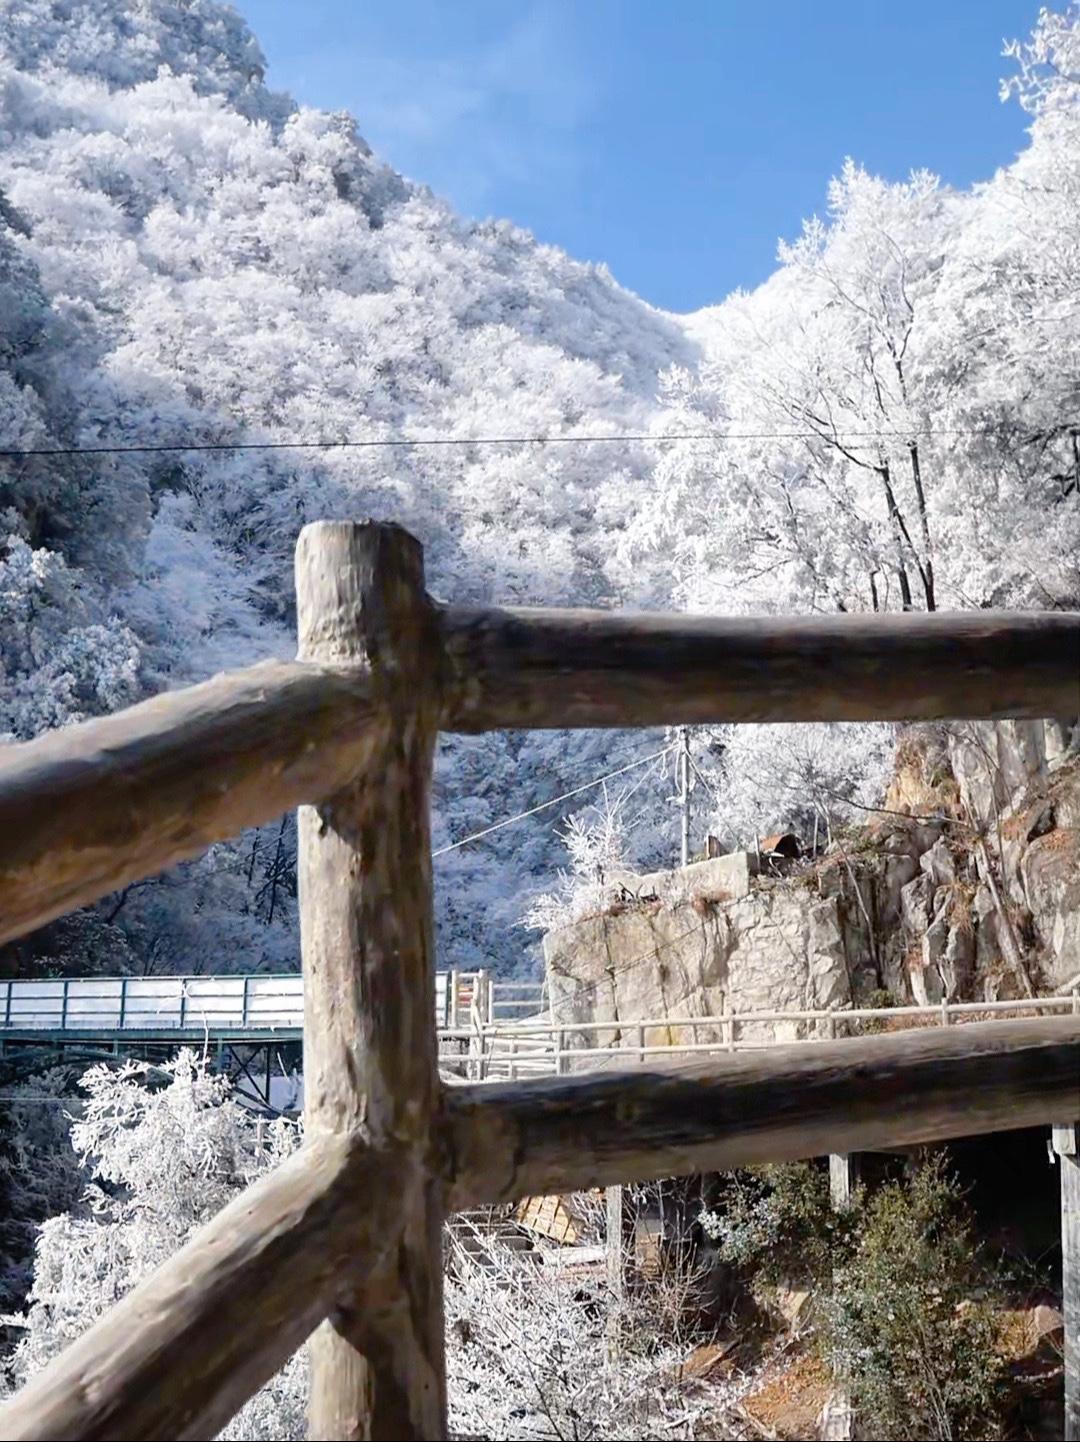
<point>551,668</point>
<point>87,809</point>
<point>91,808</point>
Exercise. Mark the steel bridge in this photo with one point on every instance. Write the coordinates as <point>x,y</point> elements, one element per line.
<point>253,1025</point>
<point>487,1029</point>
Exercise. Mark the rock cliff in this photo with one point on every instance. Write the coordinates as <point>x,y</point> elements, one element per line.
<point>964,885</point>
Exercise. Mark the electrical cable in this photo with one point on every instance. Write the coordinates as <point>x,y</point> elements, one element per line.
<point>545,805</point>
<point>375,443</point>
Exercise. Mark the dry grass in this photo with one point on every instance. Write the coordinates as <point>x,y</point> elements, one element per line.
<point>790,1401</point>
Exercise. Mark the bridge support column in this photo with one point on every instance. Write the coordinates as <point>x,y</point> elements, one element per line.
<point>844,1172</point>
<point>618,1222</point>
<point>1065,1141</point>
<point>844,1169</point>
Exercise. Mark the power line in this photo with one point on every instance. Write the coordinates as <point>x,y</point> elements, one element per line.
<point>376,443</point>
<point>545,805</point>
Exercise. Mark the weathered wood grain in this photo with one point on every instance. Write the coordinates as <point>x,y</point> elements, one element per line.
<point>368,953</point>
<point>187,1348</point>
<point>85,810</point>
<point>550,668</point>
<point>572,1133</point>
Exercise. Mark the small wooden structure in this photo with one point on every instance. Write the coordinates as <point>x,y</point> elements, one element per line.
<point>343,1241</point>
<point>560,1219</point>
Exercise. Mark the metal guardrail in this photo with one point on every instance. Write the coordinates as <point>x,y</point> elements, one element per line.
<point>503,1051</point>
<point>256,1003</point>
<point>481,1032</point>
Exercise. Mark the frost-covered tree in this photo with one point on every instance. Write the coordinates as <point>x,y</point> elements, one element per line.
<point>203,260</point>
<point>895,422</point>
<point>162,1150</point>
<point>187,255</point>
<point>40,1174</point>
<point>528,1349</point>
<point>162,1154</point>
<point>796,777</point>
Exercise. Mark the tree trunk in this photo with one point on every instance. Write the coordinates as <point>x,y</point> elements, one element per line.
<point>898,538</point>
<point>926,569</point>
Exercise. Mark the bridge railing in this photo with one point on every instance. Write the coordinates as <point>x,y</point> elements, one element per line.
<point>343,1242</point>
<point>211,1002</point>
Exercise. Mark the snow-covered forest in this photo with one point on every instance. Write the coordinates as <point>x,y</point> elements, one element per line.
<point>187,256</point>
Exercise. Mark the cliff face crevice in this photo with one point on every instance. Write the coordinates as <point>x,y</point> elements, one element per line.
<point>964,886</point>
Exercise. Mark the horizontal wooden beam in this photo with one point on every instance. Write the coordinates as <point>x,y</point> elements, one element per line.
<point>551,668</point>
<point>89,808</point>
<point>187,1348</point>
<point>569,1134</point>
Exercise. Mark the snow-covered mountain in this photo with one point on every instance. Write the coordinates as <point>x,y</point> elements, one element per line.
<point>187,256</point>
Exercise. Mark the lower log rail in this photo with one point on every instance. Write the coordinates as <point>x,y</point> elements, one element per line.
<point>191,1344</point>
<point>183,1351</point>
<point>564,1134</point>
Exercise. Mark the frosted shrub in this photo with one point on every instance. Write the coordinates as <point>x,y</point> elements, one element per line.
<point>777,1223</point>
<point>529,1355</point>
<point>917,1353</point>
<point>596,841</point>
<point>162,1160</point>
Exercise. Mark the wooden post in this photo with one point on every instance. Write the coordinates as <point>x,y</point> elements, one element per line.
<point>1066,1143</point>
<point>615,1200</point>
<point>370,1065</point>
<point>843,1178</point>
<point>839,1422</point>
<point>561,1059</point>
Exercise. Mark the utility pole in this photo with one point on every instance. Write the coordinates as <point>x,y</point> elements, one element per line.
<point>684,790</point>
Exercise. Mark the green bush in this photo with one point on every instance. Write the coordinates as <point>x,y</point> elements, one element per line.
<point>900,1326</point>
<point>898,1277</point>
<point>778,1224</point>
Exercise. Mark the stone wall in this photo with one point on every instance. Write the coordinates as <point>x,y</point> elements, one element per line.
<point>690,943</point>
<point>966,888</point>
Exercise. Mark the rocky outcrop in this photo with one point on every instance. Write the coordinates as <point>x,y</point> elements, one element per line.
<point>965,887</point>
<point>691,949</point>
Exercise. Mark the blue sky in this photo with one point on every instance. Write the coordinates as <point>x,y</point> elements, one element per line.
<point>676,141</point>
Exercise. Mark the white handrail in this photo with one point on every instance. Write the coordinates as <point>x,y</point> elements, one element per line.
<point>953,1008</point>
<point>554,1044</point>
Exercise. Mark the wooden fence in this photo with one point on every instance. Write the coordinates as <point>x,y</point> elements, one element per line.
<point>343,1242</point>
